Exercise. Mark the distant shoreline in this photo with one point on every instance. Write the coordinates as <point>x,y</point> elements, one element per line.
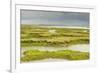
<point>65,27</point>
<point>49,26</point>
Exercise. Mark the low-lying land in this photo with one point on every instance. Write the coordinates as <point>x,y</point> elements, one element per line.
<point>32,55</point>
<point>32,35</point>
<point>42,36</point>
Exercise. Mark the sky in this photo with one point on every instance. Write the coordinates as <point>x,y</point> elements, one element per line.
<point>77,19</point>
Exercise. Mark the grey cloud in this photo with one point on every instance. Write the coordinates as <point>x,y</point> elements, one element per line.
<point>57,18</point>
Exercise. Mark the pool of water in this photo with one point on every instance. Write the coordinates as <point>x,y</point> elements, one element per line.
<point>78,47</point>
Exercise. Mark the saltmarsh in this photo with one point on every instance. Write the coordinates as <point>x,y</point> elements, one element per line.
<point>52,37</point>
<point>32,55</point>
<point>40,36</point>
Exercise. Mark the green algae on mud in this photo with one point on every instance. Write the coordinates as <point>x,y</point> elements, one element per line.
<point>33,55</point>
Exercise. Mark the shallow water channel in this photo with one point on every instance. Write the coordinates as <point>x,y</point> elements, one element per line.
<point>78,47</point>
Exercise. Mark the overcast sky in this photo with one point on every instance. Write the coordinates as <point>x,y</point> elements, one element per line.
<point>55,18</point>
